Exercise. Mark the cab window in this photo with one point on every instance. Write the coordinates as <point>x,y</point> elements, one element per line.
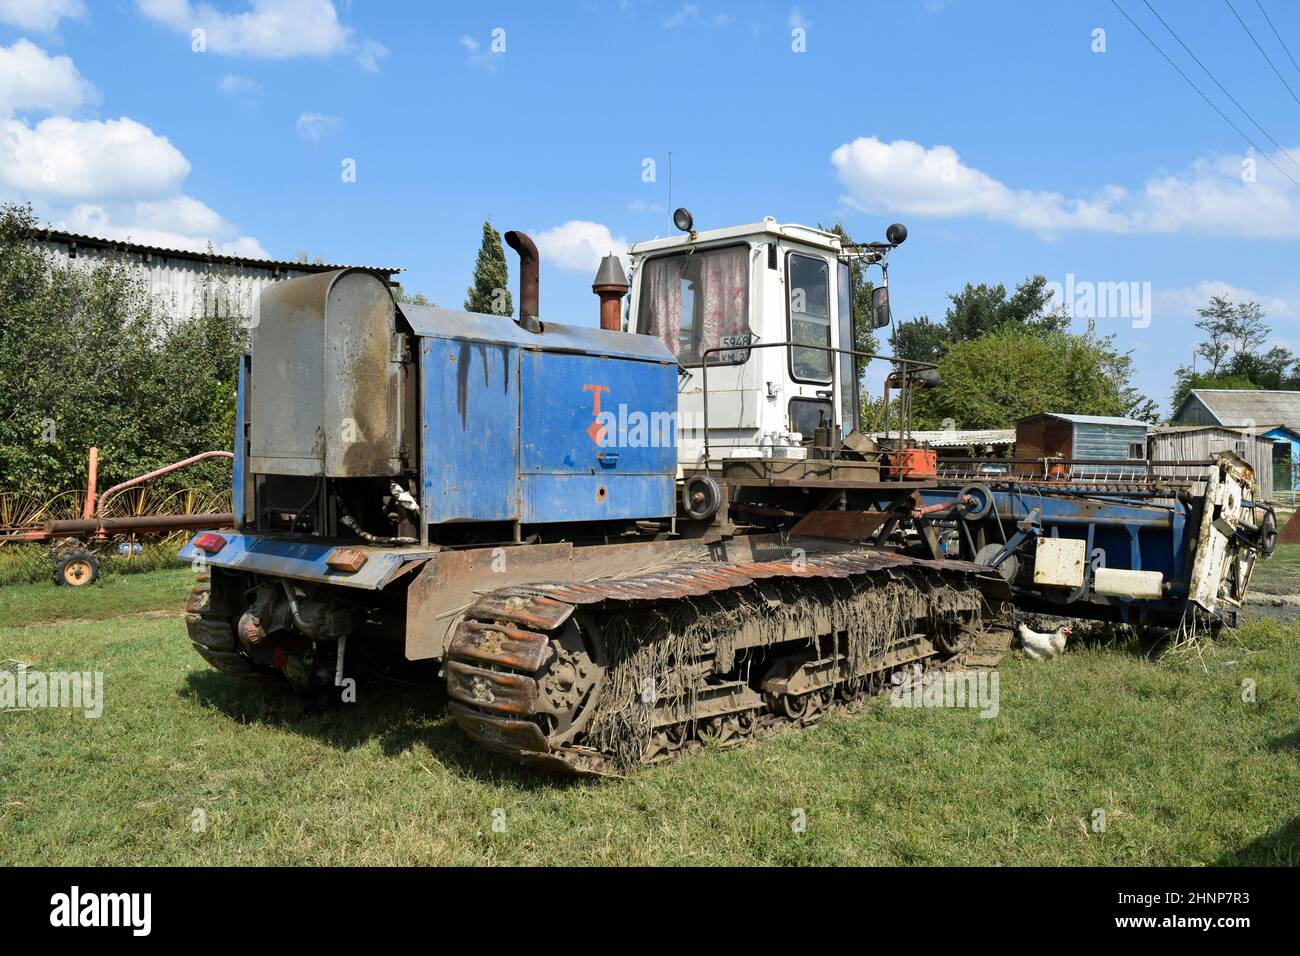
<point>848,372</point>
<point>698,301</point>
<point>808,283</point>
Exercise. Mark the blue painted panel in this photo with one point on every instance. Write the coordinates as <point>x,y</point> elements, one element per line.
<point>600,497</point>
<point>304,560</point>
<point>598,437</point>
<point>470,446</point>
<point>584,414</point>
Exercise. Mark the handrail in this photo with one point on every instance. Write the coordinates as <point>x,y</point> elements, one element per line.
<point>903,364</point>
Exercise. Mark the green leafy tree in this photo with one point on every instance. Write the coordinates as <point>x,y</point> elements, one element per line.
<point>921,339</point>
<point>412,298</point>
<point>1235,335</point>
<point>490,290</point>
<point>864,336</point>
<point>89,357</point>
<point>996,378</point>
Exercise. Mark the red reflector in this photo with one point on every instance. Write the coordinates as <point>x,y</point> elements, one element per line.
<point>348,560</point>
<point>210,541</point>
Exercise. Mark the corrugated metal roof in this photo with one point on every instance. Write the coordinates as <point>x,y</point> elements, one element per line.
<point>1090,419</point>
<point>431,321</point>
<point>95,242</point>
<point>952,438</point>
<point>1238,406</point>
<point>1170,429</point>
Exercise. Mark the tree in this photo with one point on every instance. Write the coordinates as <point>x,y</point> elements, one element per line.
<point>996,378</point>
<point>1234,336</point>
<point>89,357</point>
<point>921,339</point>
<point>978,310</point>
<point>864,336</point>
<point>490,290</point>
<point>412,298</point>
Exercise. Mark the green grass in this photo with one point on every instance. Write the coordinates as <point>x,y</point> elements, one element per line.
<point>1280,573</point>
<point>109,597</point>
<point>1186,772</point>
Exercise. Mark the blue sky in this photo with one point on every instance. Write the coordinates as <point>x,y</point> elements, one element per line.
<point>994,130</point>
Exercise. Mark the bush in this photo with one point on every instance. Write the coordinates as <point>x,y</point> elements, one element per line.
<point>89,357</point>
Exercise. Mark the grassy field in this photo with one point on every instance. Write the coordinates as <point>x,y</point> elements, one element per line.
<point>1185,770</point>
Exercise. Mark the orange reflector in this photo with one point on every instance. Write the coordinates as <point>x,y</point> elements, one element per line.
<point>348,560</point>
<point>210,541</point>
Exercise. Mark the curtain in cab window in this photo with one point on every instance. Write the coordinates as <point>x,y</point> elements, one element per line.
<point>697,302</point>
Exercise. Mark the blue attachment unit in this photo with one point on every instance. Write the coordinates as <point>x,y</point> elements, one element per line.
<point>1118,532</point>
<point>566,425</point>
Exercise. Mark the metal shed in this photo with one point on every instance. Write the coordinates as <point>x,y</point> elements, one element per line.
<point>185,282</point>
<point>1084,444</point>
<point>1201,442</point>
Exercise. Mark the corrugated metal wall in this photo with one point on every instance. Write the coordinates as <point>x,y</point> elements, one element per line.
<point>1108,441</point>
<point>1203,443</point>
<point>183,286</point>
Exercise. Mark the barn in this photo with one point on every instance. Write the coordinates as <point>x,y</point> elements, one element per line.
<point>1203,442</point>
<point>186,283</point>
<point>1274,413</point>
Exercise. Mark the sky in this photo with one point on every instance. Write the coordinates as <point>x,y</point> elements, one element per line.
<point>1013,139</point>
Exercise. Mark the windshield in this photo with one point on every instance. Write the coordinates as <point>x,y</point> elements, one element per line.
<point>698,301</point>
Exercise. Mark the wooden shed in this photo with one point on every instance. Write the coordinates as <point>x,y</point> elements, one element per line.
<point>1203,442</point>
<point>1090,440</point>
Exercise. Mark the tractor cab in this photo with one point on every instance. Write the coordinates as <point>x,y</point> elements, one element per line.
<point>760,319</point>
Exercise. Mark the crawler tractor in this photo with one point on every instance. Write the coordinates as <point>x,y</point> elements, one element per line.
<point>618,544</point>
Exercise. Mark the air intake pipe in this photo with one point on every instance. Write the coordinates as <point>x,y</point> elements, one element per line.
<point>528,280</point>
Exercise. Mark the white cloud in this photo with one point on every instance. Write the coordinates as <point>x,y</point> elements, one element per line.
<point>640,205</point>
<point>313,126</point>
<point>66,159</point>
<point>177,222</point>
<point>476,55</point>
<point>370,53</point>
<point>233,83</point>
<point>579,245</point>
<point>1210,196</point>
<point>114,178</point>
<point>1183,303</point>
<point>686,12</point>
<point>31,79</point>
<point>42,15</point>
<point>796,20</point>
<point>276,29</point>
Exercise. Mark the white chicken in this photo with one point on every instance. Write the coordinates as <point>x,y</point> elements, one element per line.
<point>1042,646</point>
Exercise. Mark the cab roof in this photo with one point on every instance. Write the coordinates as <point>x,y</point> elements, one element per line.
<point>768,229</point>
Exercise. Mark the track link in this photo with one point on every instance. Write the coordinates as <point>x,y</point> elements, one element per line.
<point>596,677</point>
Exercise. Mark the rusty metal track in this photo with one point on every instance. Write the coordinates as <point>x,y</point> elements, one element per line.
<point>500,667</point>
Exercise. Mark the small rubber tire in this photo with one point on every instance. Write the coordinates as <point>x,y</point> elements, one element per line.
<point>701,497</point>
<point>76,568</point>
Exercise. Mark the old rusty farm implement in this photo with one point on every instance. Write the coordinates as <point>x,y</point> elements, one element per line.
<point>78,527</point>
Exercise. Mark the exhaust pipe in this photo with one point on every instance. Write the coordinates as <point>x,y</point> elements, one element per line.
<point>611,285</point>
<point>528,280</point>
